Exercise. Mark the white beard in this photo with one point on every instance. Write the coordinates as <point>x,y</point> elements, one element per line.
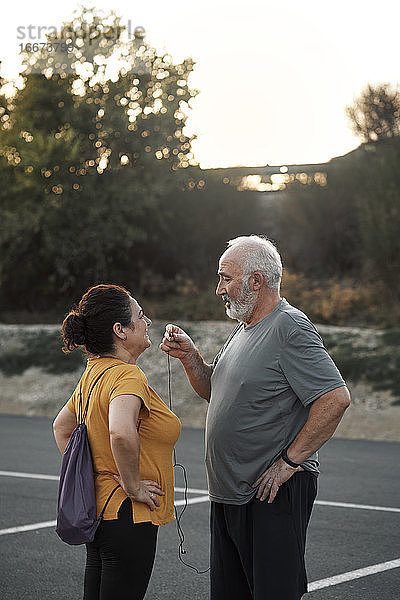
<point>242,307</point>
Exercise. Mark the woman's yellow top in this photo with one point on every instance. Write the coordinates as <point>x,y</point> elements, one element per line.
<point>158,430</point>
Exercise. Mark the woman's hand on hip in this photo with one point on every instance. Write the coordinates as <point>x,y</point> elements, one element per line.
<point>147,492</point>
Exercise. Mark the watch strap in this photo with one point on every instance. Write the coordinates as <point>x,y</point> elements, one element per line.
<point>287,460</point>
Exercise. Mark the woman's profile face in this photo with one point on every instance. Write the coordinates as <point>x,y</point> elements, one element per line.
<point>137,338</point>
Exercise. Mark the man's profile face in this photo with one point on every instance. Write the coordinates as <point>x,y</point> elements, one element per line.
<point>236,294</point>
<point>230,278</point>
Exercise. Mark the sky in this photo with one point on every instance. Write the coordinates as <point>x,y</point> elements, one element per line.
<point>274,77</point>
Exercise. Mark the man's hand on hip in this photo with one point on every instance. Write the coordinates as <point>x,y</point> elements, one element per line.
<point>270,481</point>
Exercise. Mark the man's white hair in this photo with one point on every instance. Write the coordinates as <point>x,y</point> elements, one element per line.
<point>259,254</point>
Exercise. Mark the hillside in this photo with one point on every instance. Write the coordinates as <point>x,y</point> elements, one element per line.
<point>37,379</point>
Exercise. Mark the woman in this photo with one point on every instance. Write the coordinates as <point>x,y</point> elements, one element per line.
<point>131,433</point>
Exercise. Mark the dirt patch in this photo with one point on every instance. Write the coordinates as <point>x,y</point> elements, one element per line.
<point>372,414</point>
<point>362,423</point>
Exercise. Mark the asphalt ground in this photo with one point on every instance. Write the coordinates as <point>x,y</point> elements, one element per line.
<point>353,550</point>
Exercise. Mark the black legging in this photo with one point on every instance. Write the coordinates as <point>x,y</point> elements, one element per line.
<point>120,558</point>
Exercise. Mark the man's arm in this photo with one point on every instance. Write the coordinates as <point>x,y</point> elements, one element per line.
<point>178,344</point>
<point>325,415</point>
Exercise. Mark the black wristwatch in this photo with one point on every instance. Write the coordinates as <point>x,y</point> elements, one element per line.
<point>287,460</point>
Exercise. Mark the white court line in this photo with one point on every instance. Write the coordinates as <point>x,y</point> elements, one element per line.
<point>56,478</point>
<point>312,587</point>
<point>320,502</point>
<point>192,500</point>
<point>198,491</point>
<point>31,527</point>
<point>191,490</point>
<point>315,585</point>
<point>45,524</point>
<point>360,506</point>
<point>29,475</point>
<point>351,575</point>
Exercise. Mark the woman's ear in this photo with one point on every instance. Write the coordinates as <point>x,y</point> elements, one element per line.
<point>119,332</point>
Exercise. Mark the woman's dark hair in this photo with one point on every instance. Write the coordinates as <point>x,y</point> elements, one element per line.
<point>90,324</point>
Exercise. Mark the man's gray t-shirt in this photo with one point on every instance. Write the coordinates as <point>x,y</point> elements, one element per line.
<point>264,380</point>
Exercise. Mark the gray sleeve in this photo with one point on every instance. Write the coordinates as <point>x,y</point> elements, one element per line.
<point>307,366</point>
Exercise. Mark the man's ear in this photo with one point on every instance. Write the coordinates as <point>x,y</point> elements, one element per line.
<point>257,280</point>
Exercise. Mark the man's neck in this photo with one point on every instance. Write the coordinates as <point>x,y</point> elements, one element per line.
<point>268,302</point>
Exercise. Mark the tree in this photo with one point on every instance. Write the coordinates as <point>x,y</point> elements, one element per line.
<point>101,181</point>
<point>350,228</point>
<point>88,154</point>
<point>197,223</point>
<point>378,198</point>
<point>375,114</point>
<point>318,227</point>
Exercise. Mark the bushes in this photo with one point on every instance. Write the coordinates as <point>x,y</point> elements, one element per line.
<point>362,356</point>
<point>42,349</point>
<point>378,365</point>
<point>339,301</point>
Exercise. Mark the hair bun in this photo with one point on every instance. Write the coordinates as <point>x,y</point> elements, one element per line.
<point>74,331</point>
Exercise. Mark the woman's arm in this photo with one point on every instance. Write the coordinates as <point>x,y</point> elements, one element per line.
<point>63,425</point>
<point>122,416</point>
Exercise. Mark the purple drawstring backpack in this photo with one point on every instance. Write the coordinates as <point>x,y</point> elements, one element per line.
<point>77,520</point>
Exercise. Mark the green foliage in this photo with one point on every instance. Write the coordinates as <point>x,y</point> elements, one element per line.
<point>318,228</point>
<point>87,161</point>
<point>99,187</point>
<point>378,201</point>
<point>99,184</point>
<point>40,349</point>
<point>350,228</point>
<point>193,225</point>
<point>357,360</point>
<point>194,305</point>
<point>391,337</point>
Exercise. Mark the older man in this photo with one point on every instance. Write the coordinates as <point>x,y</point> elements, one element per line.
<point>275,396</point>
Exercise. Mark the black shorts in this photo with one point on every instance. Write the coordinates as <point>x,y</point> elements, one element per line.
<point>257,549</point>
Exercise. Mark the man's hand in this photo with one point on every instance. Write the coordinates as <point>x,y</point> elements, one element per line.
<point>270,481</point>
<point>177,343</point>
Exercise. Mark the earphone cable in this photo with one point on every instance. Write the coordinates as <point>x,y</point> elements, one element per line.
<point>178,516</point>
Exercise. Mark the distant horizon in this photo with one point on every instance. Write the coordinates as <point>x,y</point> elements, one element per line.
<point>284,164</point>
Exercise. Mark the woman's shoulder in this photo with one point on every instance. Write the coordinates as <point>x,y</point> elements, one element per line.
<point>121,371</point>
<point>112,370</point>
<point>129,370</point>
